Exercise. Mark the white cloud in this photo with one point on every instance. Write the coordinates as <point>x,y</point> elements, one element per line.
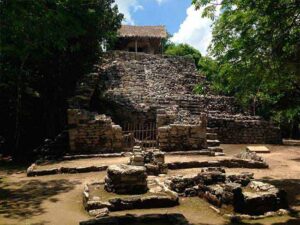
<point>126,7</point>
<point>161,1</point>
<point>194,30</point>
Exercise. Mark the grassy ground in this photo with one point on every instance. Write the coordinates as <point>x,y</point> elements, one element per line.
<point>57,199</point>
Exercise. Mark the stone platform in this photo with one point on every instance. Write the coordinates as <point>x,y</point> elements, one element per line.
<point>126,179</point>
<point>258,149</point>
<point>96,198</point>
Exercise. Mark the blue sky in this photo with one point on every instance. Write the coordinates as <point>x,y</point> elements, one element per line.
<point>179,17</point>
<point>169,14</point>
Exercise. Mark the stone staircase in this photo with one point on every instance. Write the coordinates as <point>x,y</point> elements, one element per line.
<point>213,144</point>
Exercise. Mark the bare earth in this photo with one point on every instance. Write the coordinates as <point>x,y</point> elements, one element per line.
<point>56,199</point>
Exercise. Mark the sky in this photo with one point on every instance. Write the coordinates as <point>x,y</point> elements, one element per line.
<point>179,16</point>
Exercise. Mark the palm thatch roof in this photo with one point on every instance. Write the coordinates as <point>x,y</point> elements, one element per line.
<point>142,31</point>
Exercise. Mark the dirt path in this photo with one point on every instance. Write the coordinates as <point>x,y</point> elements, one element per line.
<point>56,199</point>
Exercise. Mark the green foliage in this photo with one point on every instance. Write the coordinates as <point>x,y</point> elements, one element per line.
<point>182,50</point>
<point>166,42</point>
<point>208,67</point>
<point>257,47</point>
<point>46,46</point>
<point>199,89</point>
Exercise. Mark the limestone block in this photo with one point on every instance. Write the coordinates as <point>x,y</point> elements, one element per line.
<point>258,149</point>
<point>126,179</point>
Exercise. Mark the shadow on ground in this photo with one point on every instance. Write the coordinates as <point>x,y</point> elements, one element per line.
<point>291,186</point>
<point>295,221</point>
<point>23,199</point>
<point>9,167</point>
<point>296,159</point>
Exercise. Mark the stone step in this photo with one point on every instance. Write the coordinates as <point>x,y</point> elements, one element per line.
<point>213,143</point>
<point>291,142</point>
<point>192,152</point>
<point>149,143</point>
<point>213,111</point>
<point>212,136</point>
<point>219,154</point>
<point>215,149</point>
<point>211,130</point>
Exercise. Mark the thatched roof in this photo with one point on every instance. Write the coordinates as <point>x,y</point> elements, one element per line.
<point>142,31</point>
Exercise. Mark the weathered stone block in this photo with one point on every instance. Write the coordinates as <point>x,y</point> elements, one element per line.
<point>126,179</point>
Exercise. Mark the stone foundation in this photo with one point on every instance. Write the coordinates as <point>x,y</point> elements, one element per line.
<point>261,198</point>
<point>125,179</point>
<point>95,197</point>
<point>237,190</point>
<point>228,162</point>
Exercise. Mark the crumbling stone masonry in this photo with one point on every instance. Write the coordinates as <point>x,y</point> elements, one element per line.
<point>180,137</point>
<point>152,159</point>
<point>241,129</point>
<point>238,190</point>
<point>90,132</point>
<point>126,179</point>
<point>179,130</point>
<point>144,88</point>
<point>142,82</point>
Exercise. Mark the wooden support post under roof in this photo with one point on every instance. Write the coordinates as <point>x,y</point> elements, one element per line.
<point>136,45</point>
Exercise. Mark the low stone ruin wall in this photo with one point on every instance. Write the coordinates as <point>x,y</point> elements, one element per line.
<point>262,198</point>
<point>182,137</point>
<point>244,130</point>
<point>237,190</point>
<point>229,163</point>
<point>96,198</point>
<point>32,171</point>
<point>93,133</point>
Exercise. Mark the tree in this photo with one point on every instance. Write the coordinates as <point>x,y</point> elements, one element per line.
<point>183,50</point>
<point>45,47</point>
<point>257,47</point>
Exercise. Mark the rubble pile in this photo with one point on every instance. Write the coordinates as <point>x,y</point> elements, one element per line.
<point>152,159</point>
<point>240,191</point>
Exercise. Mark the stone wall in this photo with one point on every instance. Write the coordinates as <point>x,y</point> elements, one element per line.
<point>85,90</point>
<point>141,82</point>
<point>144,88</point>
<point>240,129</point>
<point>182,137</point>
<point>166,116</point>
<point>179,130</point>
<point>91,132</point>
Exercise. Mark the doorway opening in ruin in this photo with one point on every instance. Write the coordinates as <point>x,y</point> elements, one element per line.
<point>142,134</point>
